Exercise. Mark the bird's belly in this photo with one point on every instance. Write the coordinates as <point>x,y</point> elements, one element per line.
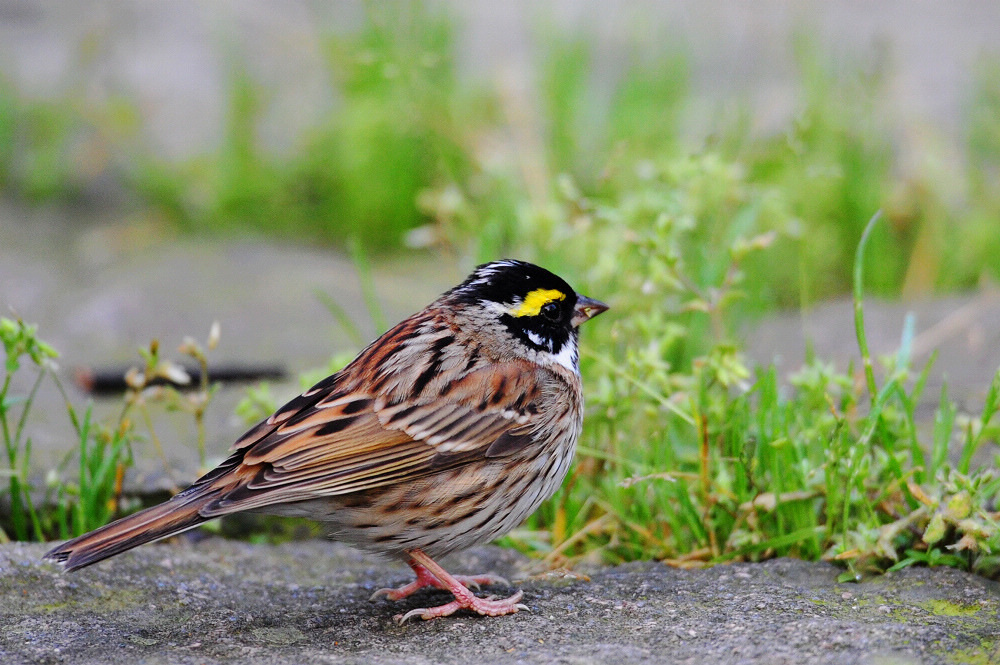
<point>442,512</point>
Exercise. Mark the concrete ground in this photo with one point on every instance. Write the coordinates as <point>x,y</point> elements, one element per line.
<point>226,602</point>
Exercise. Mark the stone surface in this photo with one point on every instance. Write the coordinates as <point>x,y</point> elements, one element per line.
<point>219,601</point>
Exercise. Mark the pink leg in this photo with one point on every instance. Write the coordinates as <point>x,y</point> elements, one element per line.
<point>464,599</point>
<point>427,579</point>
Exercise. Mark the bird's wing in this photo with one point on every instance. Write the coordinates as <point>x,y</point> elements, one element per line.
<point>331,441</point>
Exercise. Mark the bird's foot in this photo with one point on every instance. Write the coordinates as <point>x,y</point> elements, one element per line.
<point>483,606</point>
<point>430,574</point>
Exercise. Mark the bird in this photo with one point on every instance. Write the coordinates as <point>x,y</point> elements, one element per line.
<point>445,432</point>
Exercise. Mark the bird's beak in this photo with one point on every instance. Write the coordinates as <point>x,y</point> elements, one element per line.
<point>586,309</point>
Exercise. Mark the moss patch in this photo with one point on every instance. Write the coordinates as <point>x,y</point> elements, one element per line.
<point>987,653</point>
<point>945,608</point>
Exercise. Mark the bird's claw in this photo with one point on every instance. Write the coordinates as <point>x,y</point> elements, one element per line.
<point>482,606</point>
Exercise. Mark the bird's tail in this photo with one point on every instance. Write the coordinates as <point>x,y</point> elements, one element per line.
<point>180,513</point>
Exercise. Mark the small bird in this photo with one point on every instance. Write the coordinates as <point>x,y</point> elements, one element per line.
<point>445,432</point>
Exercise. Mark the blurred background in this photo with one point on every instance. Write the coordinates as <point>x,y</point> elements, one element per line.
<point>304,172</point>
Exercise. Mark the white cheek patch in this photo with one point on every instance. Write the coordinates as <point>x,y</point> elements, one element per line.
<point>567,356</point>
<point>538,340</point>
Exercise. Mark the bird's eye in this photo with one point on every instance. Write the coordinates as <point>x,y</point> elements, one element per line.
<point>550,311</point>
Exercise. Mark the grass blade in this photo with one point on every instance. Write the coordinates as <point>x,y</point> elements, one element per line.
<point>859,314</point>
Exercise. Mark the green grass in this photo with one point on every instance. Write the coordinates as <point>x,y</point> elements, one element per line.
<point>691,456</point>
<point>688,454</point>
<point>84,491</point>
<point>401,127</point>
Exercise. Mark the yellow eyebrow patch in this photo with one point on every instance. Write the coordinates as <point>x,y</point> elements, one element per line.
<point>534,301</point>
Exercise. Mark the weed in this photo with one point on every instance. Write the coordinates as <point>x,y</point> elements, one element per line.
<point>20,341</point>
<point>73,504</point>
<point>66,508</point>
<point>401,127</point>
<point>690,457</point>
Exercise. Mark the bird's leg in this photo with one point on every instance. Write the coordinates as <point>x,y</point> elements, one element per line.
<point>427,579</point>
<point>464,598</point>
<point>424,579</point>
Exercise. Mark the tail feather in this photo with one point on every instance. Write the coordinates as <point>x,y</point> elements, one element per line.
<point>162,521</point>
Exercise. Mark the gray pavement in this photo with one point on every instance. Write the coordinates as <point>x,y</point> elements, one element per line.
<point>227,602</point>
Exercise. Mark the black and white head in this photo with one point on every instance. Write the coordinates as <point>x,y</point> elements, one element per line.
<point>535,307</point>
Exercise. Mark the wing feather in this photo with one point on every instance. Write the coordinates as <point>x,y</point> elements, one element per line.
<point>338,438</point>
